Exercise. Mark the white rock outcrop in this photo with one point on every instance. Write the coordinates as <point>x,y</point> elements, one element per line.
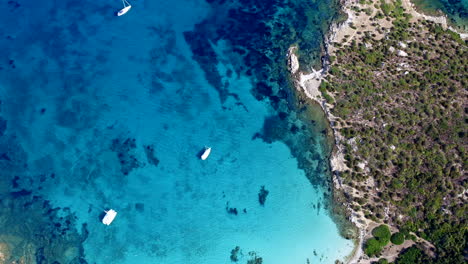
<point>402,53</point>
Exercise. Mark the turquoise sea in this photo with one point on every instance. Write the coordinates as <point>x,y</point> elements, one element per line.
<point>100,112</point>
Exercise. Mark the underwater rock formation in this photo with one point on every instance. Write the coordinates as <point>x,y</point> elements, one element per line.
<point>150,156</point>
<point>254,259</point>
<point>235,254</point>
<point>262,195</point>
<point>140,207</point>
<point>3,126</point>
<point>231,210</point>
<point>124,150</point>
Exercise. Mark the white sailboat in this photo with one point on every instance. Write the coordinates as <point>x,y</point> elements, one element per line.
<point>109,217</point>
<point>125,9</point>
<point>206,153</point>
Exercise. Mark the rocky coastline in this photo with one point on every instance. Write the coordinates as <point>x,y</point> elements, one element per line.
<point>309,84</point>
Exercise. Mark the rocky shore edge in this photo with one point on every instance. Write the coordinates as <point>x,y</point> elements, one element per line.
<point>309,83</point>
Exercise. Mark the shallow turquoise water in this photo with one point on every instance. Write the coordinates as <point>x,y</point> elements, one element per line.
<point>104,112</point>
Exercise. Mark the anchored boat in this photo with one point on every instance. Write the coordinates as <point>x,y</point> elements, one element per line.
<point>206,153</point>
<point>125,9</point>
<point>109,217</point>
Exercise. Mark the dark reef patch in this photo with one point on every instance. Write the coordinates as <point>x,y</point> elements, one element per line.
<point>235,254</point>
<point>124,150</point>
<point>254,258</point>
<point>4,156</point>
<point>140,207</point>
<point>3,126</point>
<point>231,210</point>
<point>13,5</point>
<point>14,182</point>
<point>262,195</point>
<point>14,160</point>
<point>20,193</point>
<point>156,85</point>
<point>150,156</point>
<point>205,55</point>
<point>262,91</point>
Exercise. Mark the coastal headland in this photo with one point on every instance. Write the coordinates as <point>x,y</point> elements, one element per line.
<point>392,87</point>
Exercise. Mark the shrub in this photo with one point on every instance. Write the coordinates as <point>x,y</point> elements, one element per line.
<point>382,261</point>
<point>328,98</point>
<point>386,8</point>
<point>382,234</point>
<point>372,247</point>
<point>397,238</point>
<point>410,256</point>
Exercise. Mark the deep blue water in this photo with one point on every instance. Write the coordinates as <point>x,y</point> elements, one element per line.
<point>100,112</point>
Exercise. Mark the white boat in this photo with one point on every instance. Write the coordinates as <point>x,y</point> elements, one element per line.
<point>109,217</point>
<point>206,153</point>
<point>126,8</point>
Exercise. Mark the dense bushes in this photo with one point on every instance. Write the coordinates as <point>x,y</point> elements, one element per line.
<point>397,238</point>
<point>372,247</point>
<point>408,125</point>
<point>381,238</point>
<point>413,255</point>
<point>382,234</point>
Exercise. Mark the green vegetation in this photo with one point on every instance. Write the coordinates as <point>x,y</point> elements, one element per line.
<point>381,238</point>
<point>413,255</point>
<point>386,8</point>
<point>397,238</point>
<point>405,116</point>
<point>382,234</point>
<point>372,247</point>
<point>382,261</point>
<point>323,90</point>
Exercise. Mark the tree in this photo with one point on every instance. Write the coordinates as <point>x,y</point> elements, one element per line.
<point>398,238</point>
<point>372,247</point>
<point>382,234</point>
<point>386,8</point>
<point>413,255</point>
